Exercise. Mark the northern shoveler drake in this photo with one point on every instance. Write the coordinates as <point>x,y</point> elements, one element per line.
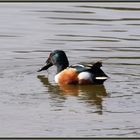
<point>74,74</point>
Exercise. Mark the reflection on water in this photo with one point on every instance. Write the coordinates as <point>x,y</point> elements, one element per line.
<point>91,94</point>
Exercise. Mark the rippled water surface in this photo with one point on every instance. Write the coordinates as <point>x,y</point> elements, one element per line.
<point>31,104</point>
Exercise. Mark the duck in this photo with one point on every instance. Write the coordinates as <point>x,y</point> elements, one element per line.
<point>81,74</point>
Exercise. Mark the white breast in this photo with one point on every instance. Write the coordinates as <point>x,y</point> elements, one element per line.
<point>56,78</point>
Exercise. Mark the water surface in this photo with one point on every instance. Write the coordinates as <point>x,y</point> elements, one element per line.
<point>31,104</point>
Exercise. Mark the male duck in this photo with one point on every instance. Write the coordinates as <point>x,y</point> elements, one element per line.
<point>74,74</point>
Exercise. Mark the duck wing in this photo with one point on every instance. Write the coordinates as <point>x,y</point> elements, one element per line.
<point>80,67</point>
<point>90,67</point>
<point>98,75</point>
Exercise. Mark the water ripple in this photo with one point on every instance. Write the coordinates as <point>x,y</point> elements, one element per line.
<point>112,8</point>
<point>8,36</point>
<point>83,40</point>
<point>103,37</point>
<point>65,12</point>
<point>94,19</point>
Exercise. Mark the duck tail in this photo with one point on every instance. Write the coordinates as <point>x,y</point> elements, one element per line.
<point>99,75</point>
<point>97,65</point>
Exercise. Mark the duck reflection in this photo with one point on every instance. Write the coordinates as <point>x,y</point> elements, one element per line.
<point>91,94</point>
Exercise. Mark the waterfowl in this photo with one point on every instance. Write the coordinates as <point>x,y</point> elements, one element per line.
<point>74,74</point>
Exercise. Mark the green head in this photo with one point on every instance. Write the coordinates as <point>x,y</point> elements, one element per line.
<point>57,58</point>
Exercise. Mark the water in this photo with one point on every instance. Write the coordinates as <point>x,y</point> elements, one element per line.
<point>31,104</point>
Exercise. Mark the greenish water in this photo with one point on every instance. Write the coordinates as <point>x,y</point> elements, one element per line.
<point>31,104</point>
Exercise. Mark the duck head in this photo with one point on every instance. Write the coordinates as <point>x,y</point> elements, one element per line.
<point>57,58</point>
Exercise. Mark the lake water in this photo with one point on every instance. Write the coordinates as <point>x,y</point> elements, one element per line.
<point>32,105</point>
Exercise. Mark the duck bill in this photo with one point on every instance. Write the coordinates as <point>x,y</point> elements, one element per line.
<point>45,67</point>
